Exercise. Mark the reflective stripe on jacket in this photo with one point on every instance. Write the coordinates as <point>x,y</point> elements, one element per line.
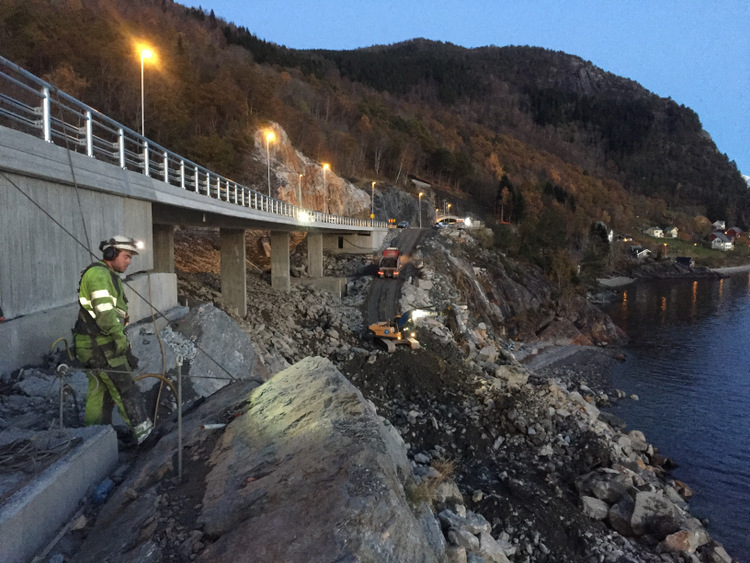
<point>101,295</point>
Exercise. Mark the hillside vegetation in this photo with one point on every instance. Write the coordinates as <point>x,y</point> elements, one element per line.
<point>543,140</point>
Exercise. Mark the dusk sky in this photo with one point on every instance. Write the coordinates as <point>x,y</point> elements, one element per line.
<point>696,52</point>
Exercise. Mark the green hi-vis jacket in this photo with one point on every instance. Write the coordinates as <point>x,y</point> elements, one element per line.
<point>102,316</point>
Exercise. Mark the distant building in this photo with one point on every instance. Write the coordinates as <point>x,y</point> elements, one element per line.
<point>640,252</point>
<point>719,225</point>
<point>670,232</point>
<point>734,233</point>
<point>655,232</point>
<point>685,261</point>
<point>720,241</point>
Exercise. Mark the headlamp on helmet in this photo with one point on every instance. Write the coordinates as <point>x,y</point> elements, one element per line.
<point>121,242</point>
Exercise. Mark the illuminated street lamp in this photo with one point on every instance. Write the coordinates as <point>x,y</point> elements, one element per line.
<point>269,137</point>
<point>420,209</point>
<point>299,190</point>
<point>325,189</point>
<point>146,53</point>
<point>372,205</point>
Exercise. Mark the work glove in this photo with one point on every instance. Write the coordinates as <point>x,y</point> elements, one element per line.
<point>121,344</point>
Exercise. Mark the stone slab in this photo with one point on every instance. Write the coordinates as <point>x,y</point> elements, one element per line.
<point>31,516</point>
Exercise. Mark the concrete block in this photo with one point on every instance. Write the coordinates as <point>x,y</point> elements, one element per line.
<point>337,286</point>
<point>31,516</point>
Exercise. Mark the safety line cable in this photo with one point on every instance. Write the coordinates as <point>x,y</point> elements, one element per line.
<point>73,172</point>
<point>136,292</point>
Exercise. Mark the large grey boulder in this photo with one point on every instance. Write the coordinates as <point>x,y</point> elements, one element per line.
<point>311,473</point>
<point>218,361</point>
<point>304,470</point>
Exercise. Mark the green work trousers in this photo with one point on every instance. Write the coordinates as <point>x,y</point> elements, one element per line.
<point>101,399</point>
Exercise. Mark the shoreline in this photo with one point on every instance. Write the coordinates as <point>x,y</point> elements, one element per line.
<point>729,270</point>
<point>615,282</point>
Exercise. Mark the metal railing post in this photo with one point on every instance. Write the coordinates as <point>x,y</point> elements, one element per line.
<point>89,136</point>
<point>121,146</point>
<point>47,130</point>
<point>146,170</point>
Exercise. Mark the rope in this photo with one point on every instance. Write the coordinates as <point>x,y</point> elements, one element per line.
<point>20,454</point>
<point>161,347</point>
<point>72,236</point>
<point>73,174</point>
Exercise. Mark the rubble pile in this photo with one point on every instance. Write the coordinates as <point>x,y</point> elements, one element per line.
<point>507,464</point>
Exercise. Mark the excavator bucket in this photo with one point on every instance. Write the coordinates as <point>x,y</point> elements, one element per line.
<point>390,345</point>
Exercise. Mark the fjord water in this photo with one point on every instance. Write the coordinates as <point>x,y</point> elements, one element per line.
<point>688,360</point>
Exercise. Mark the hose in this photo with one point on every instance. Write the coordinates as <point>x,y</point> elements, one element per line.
<point>159,377</point>
<point>67,348</point>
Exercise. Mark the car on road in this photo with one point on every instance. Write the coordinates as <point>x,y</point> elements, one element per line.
<point>403,225</point>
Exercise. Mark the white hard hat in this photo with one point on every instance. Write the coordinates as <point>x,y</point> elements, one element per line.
<point>121,242</point>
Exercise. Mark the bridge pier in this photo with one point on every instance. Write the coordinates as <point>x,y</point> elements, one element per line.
<point>315,255</point>
<point>234,269</point>
<point>164,248</point>
<point>280,261</point>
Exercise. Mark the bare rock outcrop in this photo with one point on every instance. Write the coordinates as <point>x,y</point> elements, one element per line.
<point>310,472</point>
<point>303,470</point>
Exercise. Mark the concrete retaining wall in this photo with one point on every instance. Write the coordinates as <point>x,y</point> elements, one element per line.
<point>30,517</point>
<point>352,243</point>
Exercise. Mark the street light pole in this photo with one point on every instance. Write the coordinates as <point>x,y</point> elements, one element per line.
<point>269,137</point>
<point>372,205</point>
<point>420,209</point>
<point>299,191</point>
<point>325,188</point>
<point>145,54</point>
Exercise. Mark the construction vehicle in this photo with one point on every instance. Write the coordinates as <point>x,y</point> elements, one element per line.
<point>392,333</point>
<point>390,263</point>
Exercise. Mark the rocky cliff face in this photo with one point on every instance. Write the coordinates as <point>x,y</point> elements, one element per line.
<point>301,181</point>
<point>514,298</point>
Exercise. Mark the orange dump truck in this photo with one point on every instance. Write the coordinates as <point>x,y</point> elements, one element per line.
<point>390,262</point>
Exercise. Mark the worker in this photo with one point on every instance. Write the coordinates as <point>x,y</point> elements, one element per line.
<point>101,344</point>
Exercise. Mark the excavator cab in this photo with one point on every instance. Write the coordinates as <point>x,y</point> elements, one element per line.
<point>392,333</point>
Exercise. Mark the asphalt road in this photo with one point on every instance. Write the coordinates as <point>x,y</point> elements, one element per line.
<point>383,296</point>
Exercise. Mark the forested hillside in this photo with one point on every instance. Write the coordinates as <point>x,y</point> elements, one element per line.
<point>540,139</point>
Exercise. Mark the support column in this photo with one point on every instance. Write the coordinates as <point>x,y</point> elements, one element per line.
<point>233,269</point>
<point>280,261</point>
<point>315,255</point>
<point>164,249</point>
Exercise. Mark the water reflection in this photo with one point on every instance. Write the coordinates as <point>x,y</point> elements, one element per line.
<point>676,302</point>
<point>687,360</point>
<point>694,300</point>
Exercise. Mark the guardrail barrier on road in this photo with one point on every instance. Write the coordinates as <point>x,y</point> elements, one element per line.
<point>31,105</point>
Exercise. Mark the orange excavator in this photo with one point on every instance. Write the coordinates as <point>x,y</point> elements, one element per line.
<point>392,333</point>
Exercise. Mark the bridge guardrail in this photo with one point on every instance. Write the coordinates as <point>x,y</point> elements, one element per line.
<point>31,105</point>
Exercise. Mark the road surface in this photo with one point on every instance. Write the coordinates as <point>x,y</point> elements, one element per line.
<point>383,296</point>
